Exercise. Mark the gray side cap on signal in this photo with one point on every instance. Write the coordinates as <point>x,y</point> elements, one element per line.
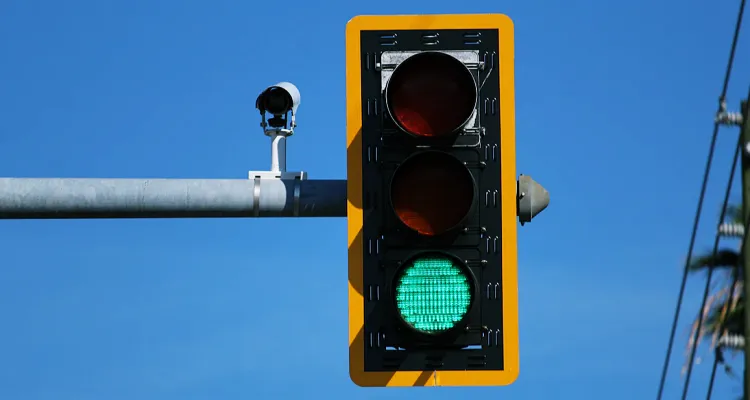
<point>532,198</point>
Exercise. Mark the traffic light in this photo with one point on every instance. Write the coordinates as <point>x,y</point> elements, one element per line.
<point>433,199</point>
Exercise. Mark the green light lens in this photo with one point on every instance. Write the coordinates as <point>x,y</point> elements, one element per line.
<point>433,294</point>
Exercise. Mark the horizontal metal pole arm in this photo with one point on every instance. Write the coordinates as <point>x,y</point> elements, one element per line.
<point>65,198</point>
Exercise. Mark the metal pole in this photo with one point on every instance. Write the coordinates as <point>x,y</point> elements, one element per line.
<point>58,198</point>
<point>746,238</point>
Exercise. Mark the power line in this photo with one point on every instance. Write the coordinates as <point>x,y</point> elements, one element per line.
<point>701,197</point>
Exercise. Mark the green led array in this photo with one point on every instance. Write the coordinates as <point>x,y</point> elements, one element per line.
<point>433,294</point>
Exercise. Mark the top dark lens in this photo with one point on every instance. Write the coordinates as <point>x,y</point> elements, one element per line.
<point>431,95</point>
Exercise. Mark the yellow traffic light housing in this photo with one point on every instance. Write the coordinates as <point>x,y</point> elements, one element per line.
<point>432,200</point>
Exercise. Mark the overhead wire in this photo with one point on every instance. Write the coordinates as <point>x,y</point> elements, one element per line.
<point>699,208</point>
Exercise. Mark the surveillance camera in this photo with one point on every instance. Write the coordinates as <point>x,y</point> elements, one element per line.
<point>279,99</point>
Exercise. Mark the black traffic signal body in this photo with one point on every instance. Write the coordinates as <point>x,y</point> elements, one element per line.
<point>432,217</point>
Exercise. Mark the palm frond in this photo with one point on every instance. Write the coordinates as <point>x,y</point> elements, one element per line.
<point>731,313</point>
<point>733,214</point>
<point>725,258</point>
<point>723,314</point>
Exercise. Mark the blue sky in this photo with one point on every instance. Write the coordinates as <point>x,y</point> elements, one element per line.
<point>615,105</point>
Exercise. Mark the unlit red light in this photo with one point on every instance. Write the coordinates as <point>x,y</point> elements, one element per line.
<point>431,95</point>
<point>432,192</point>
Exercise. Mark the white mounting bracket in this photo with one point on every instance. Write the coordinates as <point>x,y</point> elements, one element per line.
<point>278,156</point>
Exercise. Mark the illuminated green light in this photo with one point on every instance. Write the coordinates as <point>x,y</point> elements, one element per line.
<point>433,293</point>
